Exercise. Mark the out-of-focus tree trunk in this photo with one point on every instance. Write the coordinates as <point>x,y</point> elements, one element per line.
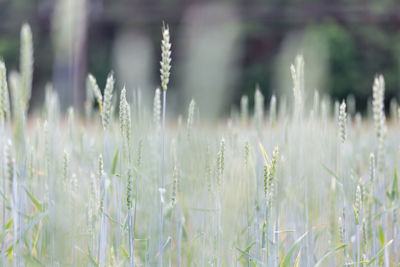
<point>69,42</point>
<point>79,68</point>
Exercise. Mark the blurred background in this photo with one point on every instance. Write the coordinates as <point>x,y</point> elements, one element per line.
<point>221,49</point>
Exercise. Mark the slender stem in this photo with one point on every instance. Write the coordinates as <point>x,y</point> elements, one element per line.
<point>219,230</point>
<point>15,213</point>
<point>264,247</point>
<point>179,222</point>
<point>103,222</point>
<point>20,188</point>
<point>131,256</point>
<point>171,232</point>
<point>134,227</point>
<point>340,173</point>
<point>160,258</point>
<point>358,245</point>
<point>119,202</point>
<point>203,244</point>
<point>163,139</point>
<point>3,173</point>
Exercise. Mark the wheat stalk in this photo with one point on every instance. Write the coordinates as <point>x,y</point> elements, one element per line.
<point>164,76</point>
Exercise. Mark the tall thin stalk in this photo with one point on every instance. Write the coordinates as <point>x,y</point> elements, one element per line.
<point>4,115</point>
<point>269,175</point>
<point>342,120</point>
<point>164,73</point>
<point>125,127</point>
<point>22,86</point>
<point>378,106</point>
<point>106,120</point>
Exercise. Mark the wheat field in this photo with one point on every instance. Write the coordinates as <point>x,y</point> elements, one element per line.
<point>302,180</point>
